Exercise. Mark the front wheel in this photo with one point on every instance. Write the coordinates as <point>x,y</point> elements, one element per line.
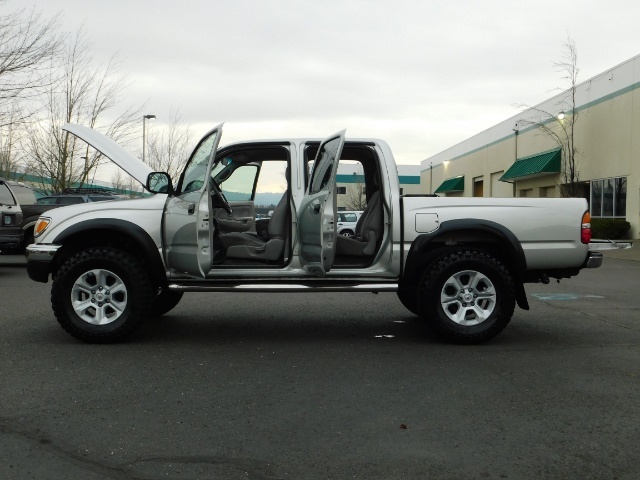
<point>467,296</point>
<point>101,295</point>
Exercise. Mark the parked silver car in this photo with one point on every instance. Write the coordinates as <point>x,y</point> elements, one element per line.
<point>347,221</point>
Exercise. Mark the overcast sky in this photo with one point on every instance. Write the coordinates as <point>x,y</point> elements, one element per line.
<point>424,75</point>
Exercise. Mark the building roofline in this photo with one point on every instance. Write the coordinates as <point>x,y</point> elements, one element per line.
<point>602,86</point>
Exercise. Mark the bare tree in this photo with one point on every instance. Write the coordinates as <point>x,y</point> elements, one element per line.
<point>170,148</point>
<point>9,134</point>
<point>27,42</point>
<point>356,198</point>
<point>560,127</point>
<point>124,184</point>
<point>134,189</point>
<point>118,181</point>
<point>84,93</point>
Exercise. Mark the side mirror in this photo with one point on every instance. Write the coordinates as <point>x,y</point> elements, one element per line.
<point>159,182</point>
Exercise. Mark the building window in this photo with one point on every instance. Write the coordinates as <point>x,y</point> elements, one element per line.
<point>620,197</point>
<point>609,198</point>
<point>342,190</point>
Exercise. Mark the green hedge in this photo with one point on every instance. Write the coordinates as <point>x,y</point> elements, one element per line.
<point>609,228</point>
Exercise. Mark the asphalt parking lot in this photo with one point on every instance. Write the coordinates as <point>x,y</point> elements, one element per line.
<point>322,386</point>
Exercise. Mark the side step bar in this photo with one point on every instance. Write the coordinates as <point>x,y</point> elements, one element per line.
<point>285,287</point>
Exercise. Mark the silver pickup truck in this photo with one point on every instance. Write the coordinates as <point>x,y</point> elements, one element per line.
<point>459,263</point>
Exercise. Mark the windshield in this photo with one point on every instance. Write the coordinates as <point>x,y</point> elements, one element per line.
<point>197,168</point>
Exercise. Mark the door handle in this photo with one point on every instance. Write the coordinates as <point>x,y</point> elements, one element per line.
<point>191,209</point>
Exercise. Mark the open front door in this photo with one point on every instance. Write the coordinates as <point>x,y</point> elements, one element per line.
<point>316,217</point>
<point>187,229</point>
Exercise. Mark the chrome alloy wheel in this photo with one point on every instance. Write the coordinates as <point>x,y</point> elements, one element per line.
<point>99,297</point>
<point>468,298</point>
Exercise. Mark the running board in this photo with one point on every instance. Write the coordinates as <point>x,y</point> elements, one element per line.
<point>285,288</point>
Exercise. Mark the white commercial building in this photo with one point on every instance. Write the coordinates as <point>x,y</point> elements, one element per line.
<point>516,158</point>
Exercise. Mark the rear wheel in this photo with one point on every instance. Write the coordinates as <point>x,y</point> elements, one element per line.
<point>467,296</point>
<point>347,233</point>
<point>101,295</point>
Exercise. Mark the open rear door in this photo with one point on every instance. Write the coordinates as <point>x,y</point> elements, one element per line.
<point>187,226</point>
<point>316,217</point>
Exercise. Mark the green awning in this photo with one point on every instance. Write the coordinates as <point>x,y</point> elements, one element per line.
<point>450,185</point>
<point>547,163</point>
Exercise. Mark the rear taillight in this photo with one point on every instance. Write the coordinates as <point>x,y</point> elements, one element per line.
<point>585,229</point>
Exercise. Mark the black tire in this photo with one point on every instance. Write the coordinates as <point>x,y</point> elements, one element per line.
<point>347,233</point>
<point>27,240</point>
<point>112,292</point>
<point>409,298</point>
<point>164,302</point>
<point>467,296</point>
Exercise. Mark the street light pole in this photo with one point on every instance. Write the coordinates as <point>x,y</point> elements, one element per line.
<point>516,130</point>
<point>144,134</point>
<point>430,178</point>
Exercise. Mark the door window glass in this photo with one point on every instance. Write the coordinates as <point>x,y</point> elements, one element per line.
<point>323,166</point>
<point>197,168</point>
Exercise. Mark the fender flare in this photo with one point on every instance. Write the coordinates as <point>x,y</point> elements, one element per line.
<point>514,251</point>
<point>132,231</point>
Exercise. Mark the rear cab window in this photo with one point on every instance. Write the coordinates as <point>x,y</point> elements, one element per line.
<point>6,197</point>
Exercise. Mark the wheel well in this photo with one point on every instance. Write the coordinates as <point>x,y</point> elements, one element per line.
<point>426,249</point>
<point>106,237</point>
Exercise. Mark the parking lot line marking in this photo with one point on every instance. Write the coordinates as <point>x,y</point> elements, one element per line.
<point>563,296</point>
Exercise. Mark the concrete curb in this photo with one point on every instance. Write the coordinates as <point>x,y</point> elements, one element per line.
<point>632,253</point>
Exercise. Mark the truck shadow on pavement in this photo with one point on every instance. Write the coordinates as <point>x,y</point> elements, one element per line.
<point>171,329</point>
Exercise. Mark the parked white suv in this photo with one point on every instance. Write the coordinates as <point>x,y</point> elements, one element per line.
<point>347,221</point>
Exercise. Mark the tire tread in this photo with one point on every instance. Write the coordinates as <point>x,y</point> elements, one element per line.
<point>429,288</point>
<point>138,303</point>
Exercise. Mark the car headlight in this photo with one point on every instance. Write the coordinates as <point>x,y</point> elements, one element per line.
<point>41,225</point>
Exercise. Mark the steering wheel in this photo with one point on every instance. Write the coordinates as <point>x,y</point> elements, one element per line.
<point>220,196</point>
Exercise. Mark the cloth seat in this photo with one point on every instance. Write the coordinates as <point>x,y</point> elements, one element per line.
<point>368,231</point>
<point>251,246</point>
